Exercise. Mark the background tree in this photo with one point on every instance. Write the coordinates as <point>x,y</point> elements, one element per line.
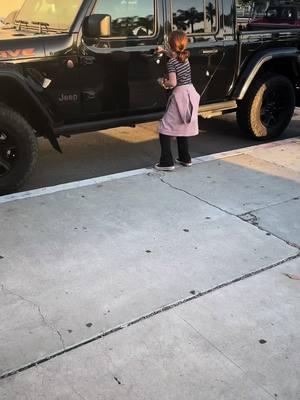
<point>210,14</point>
<point>187,18</point>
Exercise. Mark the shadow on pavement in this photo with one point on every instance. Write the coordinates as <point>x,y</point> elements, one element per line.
<point>116,150</point>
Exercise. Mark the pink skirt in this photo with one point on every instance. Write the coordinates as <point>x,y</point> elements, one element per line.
<point>181,117</point>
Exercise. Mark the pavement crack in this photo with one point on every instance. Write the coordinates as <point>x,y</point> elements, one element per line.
<point>278,203</point>
<point>146,316</point>
<point>38,308</point>
<point>247,217</point>
<point>222,353</point>
<point>79,395</point>
<point>195,197</point>
<point>252,219</point>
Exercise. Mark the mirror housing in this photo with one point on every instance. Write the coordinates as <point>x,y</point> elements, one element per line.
<point>97,25</point>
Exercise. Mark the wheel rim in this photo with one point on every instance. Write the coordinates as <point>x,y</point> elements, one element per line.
<point>275,106</point>
<point>8,154</point>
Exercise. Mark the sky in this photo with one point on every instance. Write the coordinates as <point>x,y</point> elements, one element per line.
<point>9,5</point>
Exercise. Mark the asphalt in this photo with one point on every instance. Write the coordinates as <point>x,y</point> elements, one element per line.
<point>181,285</point>
<point>113,151</point>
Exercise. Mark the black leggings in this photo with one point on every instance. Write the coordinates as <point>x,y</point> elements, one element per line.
<point>166,159</point>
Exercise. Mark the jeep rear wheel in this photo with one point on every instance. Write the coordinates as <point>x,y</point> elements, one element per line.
<point>18,150</point>
<point>268,107</point>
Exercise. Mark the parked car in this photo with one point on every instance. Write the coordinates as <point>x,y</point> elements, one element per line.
<point>72,66</point>
<point>280,17</point>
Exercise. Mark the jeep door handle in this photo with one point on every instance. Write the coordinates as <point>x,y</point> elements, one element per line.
<point>209,51</point>
<point>155,57</point>
<point>153,54</point>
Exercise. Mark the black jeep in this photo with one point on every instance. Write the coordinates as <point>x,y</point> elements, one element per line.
<point>71,66</point>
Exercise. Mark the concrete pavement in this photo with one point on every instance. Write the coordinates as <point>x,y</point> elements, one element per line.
<point>155,285</point>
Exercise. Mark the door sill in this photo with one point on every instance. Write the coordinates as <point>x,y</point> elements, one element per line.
<point>205,111</point>
<point>93,126</point>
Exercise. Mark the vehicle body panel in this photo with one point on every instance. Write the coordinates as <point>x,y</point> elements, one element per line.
<point>116,78</point>
<point>119,75</point>
<point>16,47</point>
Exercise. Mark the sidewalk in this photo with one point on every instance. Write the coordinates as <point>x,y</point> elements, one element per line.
<point>155,286</point>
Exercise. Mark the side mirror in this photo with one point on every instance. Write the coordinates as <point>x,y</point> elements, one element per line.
<point>97,25</point>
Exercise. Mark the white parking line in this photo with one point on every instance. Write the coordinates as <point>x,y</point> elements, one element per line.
<point>102,179</point>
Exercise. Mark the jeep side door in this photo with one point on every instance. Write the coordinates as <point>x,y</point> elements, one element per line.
<point>119,73</point>
<point>203,22</point>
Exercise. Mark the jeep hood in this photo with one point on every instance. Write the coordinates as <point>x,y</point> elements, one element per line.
<point>16,45</point>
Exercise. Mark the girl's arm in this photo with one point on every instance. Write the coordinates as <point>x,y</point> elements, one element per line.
<point>171,81</point>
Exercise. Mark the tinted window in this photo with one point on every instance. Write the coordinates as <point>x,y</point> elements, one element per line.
<point>288,13</point>
<point>272,13</point>
<point>281,13</point>
<point>188,15</point>
<point>129,17</point>
<point>211,16</point>
<point>195,16</point>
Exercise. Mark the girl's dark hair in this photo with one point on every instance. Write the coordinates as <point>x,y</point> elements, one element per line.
<point>178,42</point>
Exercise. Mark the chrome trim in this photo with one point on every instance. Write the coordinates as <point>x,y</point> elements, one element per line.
<point>252,76</point>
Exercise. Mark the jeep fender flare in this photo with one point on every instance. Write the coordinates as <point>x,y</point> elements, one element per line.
<point>9,75</point>
<point>255,64</point>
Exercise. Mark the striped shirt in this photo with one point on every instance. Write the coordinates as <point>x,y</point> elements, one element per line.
<point>182,71</point>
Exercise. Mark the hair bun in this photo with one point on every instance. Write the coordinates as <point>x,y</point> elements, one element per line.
<point>183,56</point>
<point>178,42</point>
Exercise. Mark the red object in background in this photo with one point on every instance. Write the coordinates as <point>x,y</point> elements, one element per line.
<point>280,17</point>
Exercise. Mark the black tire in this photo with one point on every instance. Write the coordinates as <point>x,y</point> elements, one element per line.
<point>18,150</point>
<point>267,108</point>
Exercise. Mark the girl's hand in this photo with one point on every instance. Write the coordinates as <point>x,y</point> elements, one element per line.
<point>171,81</point>
<point>161,82</point>
<point>167,51</point>
<point>160,50</point>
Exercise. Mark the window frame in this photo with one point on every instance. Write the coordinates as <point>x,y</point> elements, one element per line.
<point>114,38</point>
<point>201,33</point>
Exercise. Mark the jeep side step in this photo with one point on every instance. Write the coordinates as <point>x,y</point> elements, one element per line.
<point>94,126</point>
<point>205,111</point>
<point>215,109</point>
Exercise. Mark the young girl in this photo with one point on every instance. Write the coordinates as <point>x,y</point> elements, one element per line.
<point>181,117</point>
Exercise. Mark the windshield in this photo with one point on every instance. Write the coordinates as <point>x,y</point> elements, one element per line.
<point>57,14</point>
<point>281,13</point>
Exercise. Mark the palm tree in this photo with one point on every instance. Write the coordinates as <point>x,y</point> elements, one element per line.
<point>187,18</point>
<point>210,13</point>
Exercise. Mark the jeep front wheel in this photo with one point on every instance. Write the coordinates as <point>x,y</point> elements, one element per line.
<point>267,108</point>
<point>18,150</point>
